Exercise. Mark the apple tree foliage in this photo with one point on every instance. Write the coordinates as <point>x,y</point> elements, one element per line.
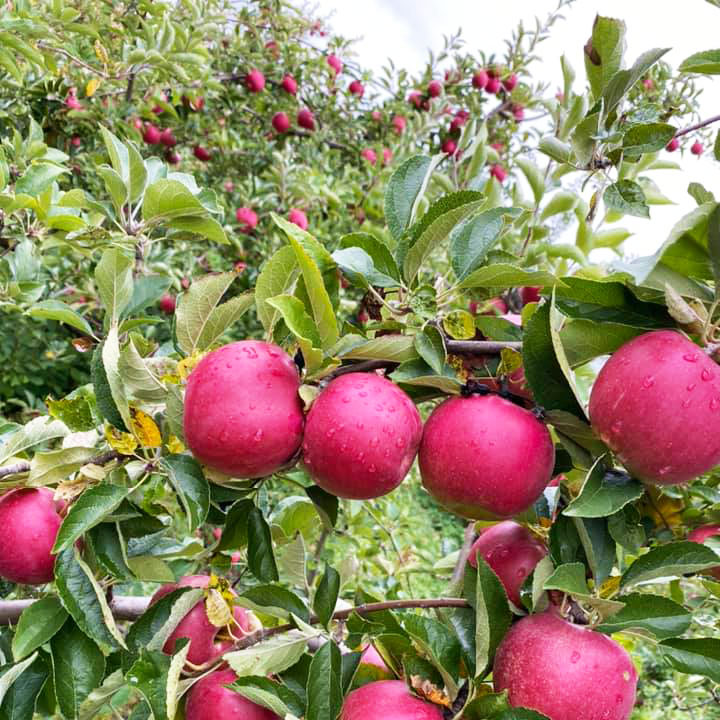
<point>404,244</point>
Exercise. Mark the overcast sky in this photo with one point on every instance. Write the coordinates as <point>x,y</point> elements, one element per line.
<point>406,29</point>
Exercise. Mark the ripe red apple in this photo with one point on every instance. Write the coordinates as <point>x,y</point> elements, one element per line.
<point>484,457</point>
<point>696,148</point>
<point>298,217</point>
<point>152,135</point>
<point>673,145</point>
<point>449,146</point>
<point>229,186</point>
<point>512,552</point>
<point>281,122</point>
<point>656,404</point>
<point>493,85</point>
<point>529,295</point>
<point>361,436</point>
<point>648,83</point>
<point>510,82</point>
<point>371,658</point>
<point>137,123</point>
<point>243,415</point>
<point>197,627</point>
<point>29,523</point>
<point>495,306</point>
<point>565,671</point>
<point>201,153</point>
<point>357,88</point>
<point>480,79</point>
<point>700,535</point>
<point>399,123</point>
<point>306,119</point>
<point>415,98</point>
<point>289,84</point>
<point>255,81</point>
<point>71,100</point>
<point>75,141</point>
<point>385,700</point>
<point>434,88</point>
<point>172,157</point>
<point>247,218</point>
<point>376,115</point>
<point>499,173</point>
<point>335,63</point>
<point>518,112</point>
<point>167,304</point>
<point>167,138</point>
<point>369,154</point>
<point>209,699</point>
<point>387,156</point>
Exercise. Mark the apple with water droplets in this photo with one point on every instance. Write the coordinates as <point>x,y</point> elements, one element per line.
<point>361,436</point>
<point>209,699</point>
<point>385,700</point>
<point>656,405</point>
<point>243,415</point>
<point>485,458</point>
<point>564,671</point>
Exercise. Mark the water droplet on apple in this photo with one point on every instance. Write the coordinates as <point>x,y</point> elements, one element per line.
<point>574,657</point>
<point>707,375</point>
<point>691,357</point>
<point>691,387</point>
<point>648,381</point>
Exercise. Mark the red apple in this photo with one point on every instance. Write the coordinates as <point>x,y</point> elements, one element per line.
<point>209,699</point>
<point>229,186</point>
<point>449,146</point>
<point>376,115</point>
<point>243,415</point>
<point>484,457</point>
<point>512,553</point>
<point>498,172</point>
<point>356,88</point>
<point>493,85</point>
<point>298,217</point>
<point>369,154</point>
<point>71,100</point>
<point>530,295</point>
<point>29,523</point>
<point>281,122</point>
<point>399,123</point>
<point>371,658</point>
<point>335,63</point>
<point>387,700</point>
<point>75,141</point>
<point>167,138</point>
<point>306,119</point>
<point>510,82</point>
<point>361,436</point>
<point>152,135</point>
<point>167,304</point>
<point>565,671</point>
<point>172,157</point>
<point>387,156</point>
<point>288,84</point>
<point>480,79</point>
<point>247,218</point>
<point>656,404</point>
<point>700,535</point>
<point>696,148</point>
<point>673,145</point>
<point>201,153</point>
<point>434,89</point>
<point>648,83</point>
<point>255,81</point>
<point>415,98</point>
<point>518,112</point>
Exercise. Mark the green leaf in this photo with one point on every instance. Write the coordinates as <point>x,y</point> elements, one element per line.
<point>149,675</point>
<point>503,275</point>
<point>147,290</point>
<point>118,153</point>
<point>78,668</point>
<point>604,52</point>
<point>38,178</point>
<point>91,508</point>
<point>604,493</point>
<point>106,406</point>
<point>418,372</point>
<point>10,674</point>
<point>277,277</point>
<point>393,348</point>
<point>261,560</point>
<point>433,228</point>
<point>699,656</point>
<point>471,240</point>
<point>326,595</point>
<point>188,479</point>
<point>430,346</point>
<point>273,695</point>
<point>561,202</point>
<point>113,276</point>
<point>379,252</point>
<point>109,549</point>
<point>706,62</point>
<point>37,624</point>
<point>137,173</point>
<point>439,645</point>
<point>568,578</point>
<point>200,319</point>
<point>623,80</point>
<point>360,269</point>
<point>714,246</point>
<point>83,598</point>
<point>671,560</point>
<point>169,199</point>
<point>626,529</point>
<point>274,600</point>
<point>534,177</point>
<point>647,138</point>
<point>21,697</point>
<point>206,227</point>
<point>627,198</point>
<point>115,186</point>
<point>555,149</point>
<point>235,532</point>
<point>111,363</point>
<point>658,615</point>
<point>56,310</point>
<point>38,430</point>
<point>585,340</point>
<point>326,505</point>
<point>273,655</point>
<point>302,326</point>
<point>140,382</point>
<point>324,688</point>
<point>583,139</point>
<point>404,189</point>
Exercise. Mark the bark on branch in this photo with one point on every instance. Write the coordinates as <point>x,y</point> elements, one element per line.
<point>23,467</point>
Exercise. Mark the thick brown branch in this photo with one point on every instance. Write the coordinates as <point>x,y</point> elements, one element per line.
<point>481,347</point>
<point>23,467</point>
<point>123,608</point>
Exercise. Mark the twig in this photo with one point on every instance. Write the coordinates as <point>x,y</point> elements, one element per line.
<point>470,536</point>
<point>364,366</point>
<point>23,467</point>
<point>481,347</point>
<point>697,126</point>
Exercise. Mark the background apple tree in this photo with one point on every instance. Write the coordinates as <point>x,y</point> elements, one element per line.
<point>178,177</point>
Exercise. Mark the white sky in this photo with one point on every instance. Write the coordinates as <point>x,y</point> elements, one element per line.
<point>406,29</point>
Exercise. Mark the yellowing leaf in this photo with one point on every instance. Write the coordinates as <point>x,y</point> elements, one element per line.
<point>218,610</point>
<point>187,365</point>
<point>122,442</point>
<point>308,393</point>
<point>92,85</point>
<point>101,53</point>
<point>663,510</point>
<point>68,490</point>
<point>430,692</point>
<point>610,587</point>
<point>457,363</point>
<point>145,429</point>
<point>175,445</point>
<point>459,324</point>
<point>510,361</point>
